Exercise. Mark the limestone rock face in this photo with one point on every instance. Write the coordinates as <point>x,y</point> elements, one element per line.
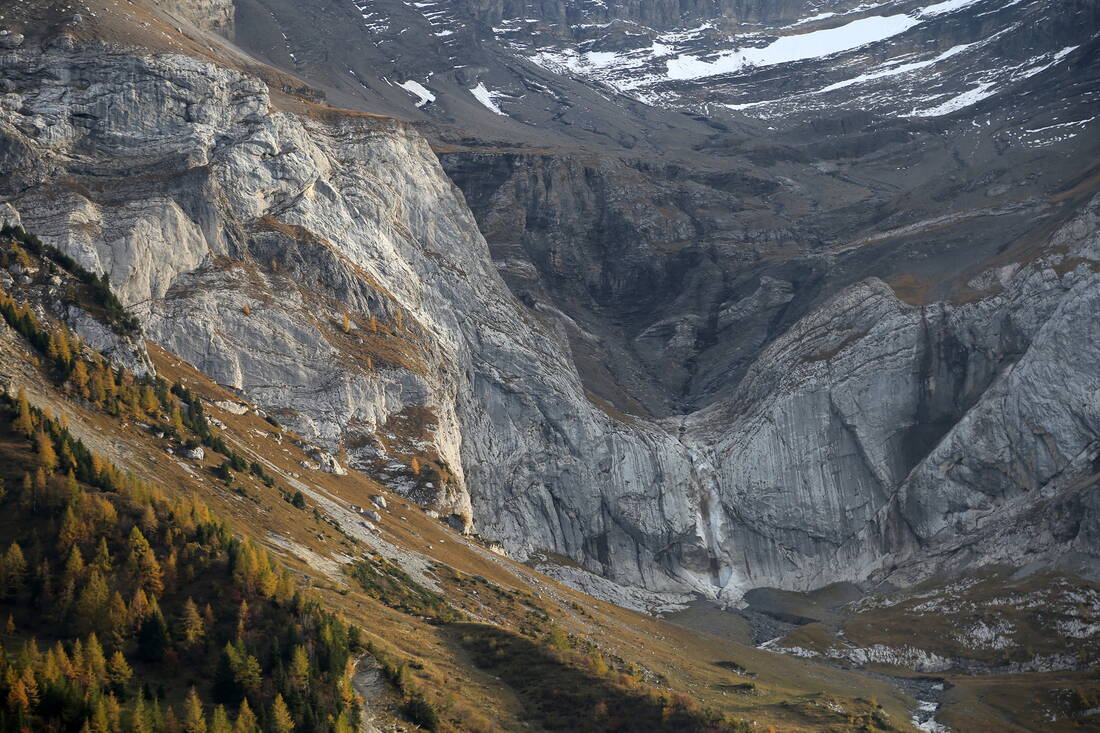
<point>211,15</point>
<point>326,267</point>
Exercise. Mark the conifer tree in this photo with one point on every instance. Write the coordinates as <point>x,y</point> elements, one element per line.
<point>139,716</point>
<point>149,401</point>
<point>92,602</point>
<point>219,721</point>
<point>47,456</point>
<point>102,560</point>
<point>192,627</point>
<point>24,422</point>
<point>119,671</point>
<point>281,722</point>
<point>194,719</point>
<point>242,619</point>
<point>79,378</point>
<point>177,420</point>
<point>117,620</point>
<point>299,667</point>
<point>72,488</point>
<point>153,639</point>
<point>95,661</point>
<point>246,719</point>
<point>26,494</point>
<point>13,570</point>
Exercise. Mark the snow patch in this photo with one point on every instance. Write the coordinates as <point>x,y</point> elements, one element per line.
<point>816,44</point>
<point>423,94</point>
<point>487,97</point>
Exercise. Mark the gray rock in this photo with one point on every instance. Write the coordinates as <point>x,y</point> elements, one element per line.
<point>868,435</point>
<point>197,453</point>
<point>9,216</point>
<point>327,462</point>
<point>378,500</point>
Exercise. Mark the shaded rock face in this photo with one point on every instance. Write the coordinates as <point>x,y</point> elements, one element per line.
<point>861,433</point>
<point>653,13</point>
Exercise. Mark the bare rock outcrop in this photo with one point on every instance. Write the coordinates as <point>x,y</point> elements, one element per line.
<point>871,432</point>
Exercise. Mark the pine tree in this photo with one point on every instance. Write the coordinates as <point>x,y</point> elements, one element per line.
<point>114,713</point>
<point>30,684</point>
<point>149,401</point>
<point>91,603</point>
<point>171,722</point>
<point>79,378</point>
<point>13,570</point>
<point>98,722</point>
<point>71,531</point>
<point>219,722</point>
<point>27,498</point>
<point>194,719</point>
<point>17,698</point>
<point>97,390</point>
<point>72,488</point>
<point>281,722</point>
<point>299,667</point>
<point>24,423</point>
<point>192,627</point>
<point>94,660</point>
<point>153,638</point>
<point>47,456</point>
<point>74,566</point>
<point>119,671</point>
<point>346,324</point>
<point>139,716</point>
<point>242,619</point>
<point>139,608</point>
<point>177,420</point>
<point>142,563</point>
<point>246,719</point>
<point>102,560</point>
<point>415,466</point>
<point>117,621</point>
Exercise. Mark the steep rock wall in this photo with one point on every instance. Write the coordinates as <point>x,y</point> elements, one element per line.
<point>242,235</point>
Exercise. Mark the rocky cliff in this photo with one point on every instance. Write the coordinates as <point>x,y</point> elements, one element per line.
<point>322,263</point>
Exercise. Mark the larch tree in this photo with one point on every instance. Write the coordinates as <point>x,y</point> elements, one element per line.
<point>194,719</point>
<point>299,667</point>
<point>79,378</point>
<point>47,456</point>
<point>24,422</point>
<point>119,671</point>
<point>219,721</point>
<point>246,719</point>
<point>192,626</point>
<point>281,722</point>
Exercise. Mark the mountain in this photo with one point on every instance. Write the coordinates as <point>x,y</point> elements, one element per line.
<point>698,298</point>
<point>687,214</point>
